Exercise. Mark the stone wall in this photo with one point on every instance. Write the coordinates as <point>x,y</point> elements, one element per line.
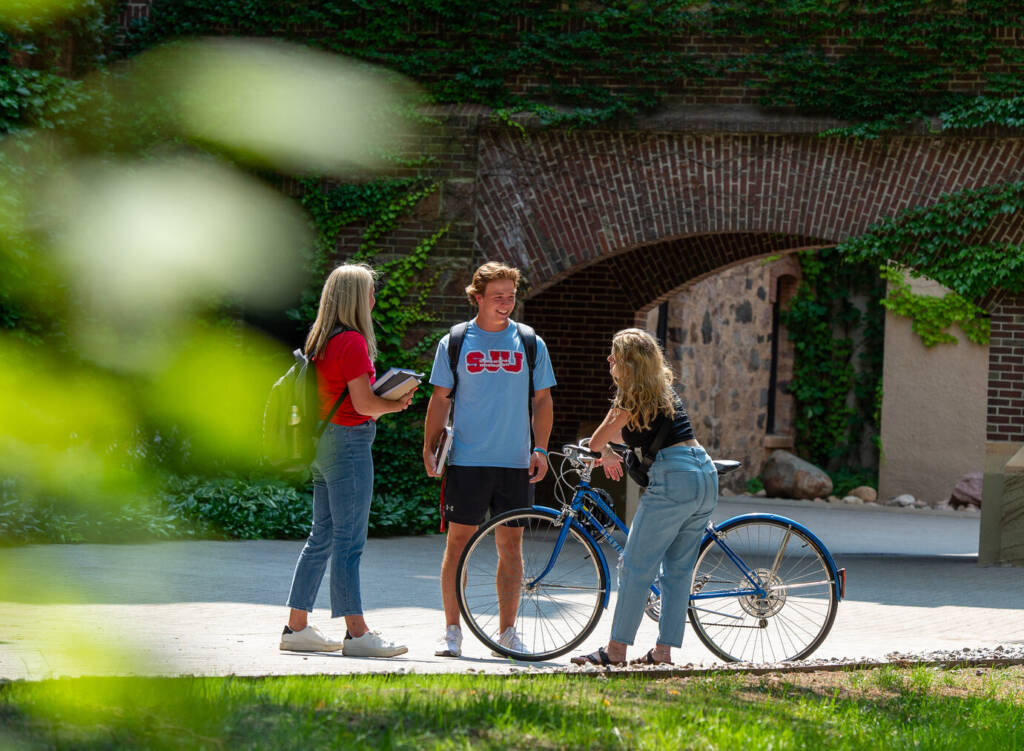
<point>719,343</point>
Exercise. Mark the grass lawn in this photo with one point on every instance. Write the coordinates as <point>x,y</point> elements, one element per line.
<point>885,708</point>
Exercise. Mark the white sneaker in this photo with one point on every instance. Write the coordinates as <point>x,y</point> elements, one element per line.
<point>372,644</point>
<point>511,641</point>
<point>450,645</point>
<point>309,639</point>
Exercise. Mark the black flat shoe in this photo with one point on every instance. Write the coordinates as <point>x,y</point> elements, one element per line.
<point>599,658</point>
<point>650,659</point>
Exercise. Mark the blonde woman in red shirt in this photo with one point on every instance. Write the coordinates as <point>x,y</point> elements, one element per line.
<point>342,344</point>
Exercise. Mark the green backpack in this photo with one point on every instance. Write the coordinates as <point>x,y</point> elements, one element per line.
<point>291,428</point>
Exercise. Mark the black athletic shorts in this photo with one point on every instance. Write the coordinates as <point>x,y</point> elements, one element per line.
<point>469,493</point>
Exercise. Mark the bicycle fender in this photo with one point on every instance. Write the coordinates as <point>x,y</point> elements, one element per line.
<point>601,559</point>
<point>837,577</point>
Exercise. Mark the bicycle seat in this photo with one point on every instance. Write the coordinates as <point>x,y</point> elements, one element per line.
<point>724,466</point>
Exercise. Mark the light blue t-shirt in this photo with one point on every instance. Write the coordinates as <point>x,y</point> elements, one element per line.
<point>492,419</point>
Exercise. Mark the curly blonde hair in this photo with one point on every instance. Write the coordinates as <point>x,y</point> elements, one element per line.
<point>643,381</point>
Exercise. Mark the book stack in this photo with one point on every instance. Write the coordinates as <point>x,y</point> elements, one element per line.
<point>396,383</point>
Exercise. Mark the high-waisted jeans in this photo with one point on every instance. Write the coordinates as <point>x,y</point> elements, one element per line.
<point>664,537</point>
<point>342,492</point>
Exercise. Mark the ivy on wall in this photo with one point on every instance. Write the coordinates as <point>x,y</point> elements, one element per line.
<point>931,317</point>
<point>838,358</point>
<point>879,63</point>
<point>947,242</point>
<point>46,99</point>
<point>379,207</point>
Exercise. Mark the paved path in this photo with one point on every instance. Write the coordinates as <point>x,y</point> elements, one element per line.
<point>214,608</point>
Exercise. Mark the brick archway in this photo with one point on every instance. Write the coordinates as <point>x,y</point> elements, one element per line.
<point>606,223</point>
<point>578,315</point>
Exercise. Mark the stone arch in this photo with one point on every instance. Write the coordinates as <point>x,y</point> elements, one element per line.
<point>557,201</point>
<point>582,212</point>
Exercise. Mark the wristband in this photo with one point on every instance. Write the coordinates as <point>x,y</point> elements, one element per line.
<point>539,450</point>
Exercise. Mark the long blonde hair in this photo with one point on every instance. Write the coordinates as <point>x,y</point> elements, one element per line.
<point>643,381</point>
<point>345,300</point>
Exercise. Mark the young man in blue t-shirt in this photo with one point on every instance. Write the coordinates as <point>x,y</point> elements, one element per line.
<point>492,465</point>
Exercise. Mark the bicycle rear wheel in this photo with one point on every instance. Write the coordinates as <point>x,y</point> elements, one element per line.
<point>553,613</point>
<point>796,614</point>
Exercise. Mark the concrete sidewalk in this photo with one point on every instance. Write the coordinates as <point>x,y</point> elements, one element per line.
<point>215,608</point>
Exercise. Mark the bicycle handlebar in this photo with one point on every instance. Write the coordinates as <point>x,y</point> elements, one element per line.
<point>583,451</point>
<point>724,466</point>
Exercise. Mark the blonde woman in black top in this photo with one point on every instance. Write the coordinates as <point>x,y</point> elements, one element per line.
<point>682,493</point>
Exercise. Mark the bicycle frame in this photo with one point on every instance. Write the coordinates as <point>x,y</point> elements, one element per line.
<point>576,510</point>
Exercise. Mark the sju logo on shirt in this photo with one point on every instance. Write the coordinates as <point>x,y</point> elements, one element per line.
<point>493,361</point>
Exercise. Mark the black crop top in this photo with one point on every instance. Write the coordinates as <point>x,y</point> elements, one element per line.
<point>681,430</point>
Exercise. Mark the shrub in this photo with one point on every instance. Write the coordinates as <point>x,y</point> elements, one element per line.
<point>249,507</point>
<point>27,520</point>
<point>846,479</point>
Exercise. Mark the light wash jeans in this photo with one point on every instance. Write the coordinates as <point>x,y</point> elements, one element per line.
<point>342,491</point>
<point>665,535</point>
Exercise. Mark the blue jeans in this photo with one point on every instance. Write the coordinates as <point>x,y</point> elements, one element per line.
<point>664,536</point>
<point>342,492</point>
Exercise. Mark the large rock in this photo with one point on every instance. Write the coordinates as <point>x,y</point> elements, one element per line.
<point>967,491</point>
<point>788,476</point>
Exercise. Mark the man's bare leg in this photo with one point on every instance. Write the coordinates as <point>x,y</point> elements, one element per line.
<point>458,536</point>
<point>509,577</point>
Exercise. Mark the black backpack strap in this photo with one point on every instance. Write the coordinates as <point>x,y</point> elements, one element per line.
<point>456,335</point>
<point>529,339</point>
<point>339,329</point>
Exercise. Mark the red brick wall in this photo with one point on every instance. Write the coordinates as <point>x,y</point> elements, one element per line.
<point>606,224</point>
<point>1006,371</point>
<point>558,200</point>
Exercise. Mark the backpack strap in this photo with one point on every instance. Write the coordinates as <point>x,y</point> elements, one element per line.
<point>529,339</point>
<point>339,329</point>
<point>456,335</point>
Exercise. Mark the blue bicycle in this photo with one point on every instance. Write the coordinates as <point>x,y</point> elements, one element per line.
<point>765,589</point>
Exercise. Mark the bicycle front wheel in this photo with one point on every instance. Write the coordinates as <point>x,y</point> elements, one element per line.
<point>794,616</point>
<point>552,598</point>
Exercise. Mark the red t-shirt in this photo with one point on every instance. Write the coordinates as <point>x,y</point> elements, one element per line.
<point>345,359</point>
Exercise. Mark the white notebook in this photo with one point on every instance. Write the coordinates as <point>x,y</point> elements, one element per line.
<point>442,447</point>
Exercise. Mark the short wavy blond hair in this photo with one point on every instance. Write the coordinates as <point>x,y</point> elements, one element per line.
<point>489,272</point>
<point>643,381</point>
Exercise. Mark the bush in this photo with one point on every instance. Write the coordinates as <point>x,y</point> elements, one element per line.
<point>25,520</point>
<point>264,508</point>
<point>248,508</point>
<point>846,479</point>
<point>252,507</point>
<point>397,515</point>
